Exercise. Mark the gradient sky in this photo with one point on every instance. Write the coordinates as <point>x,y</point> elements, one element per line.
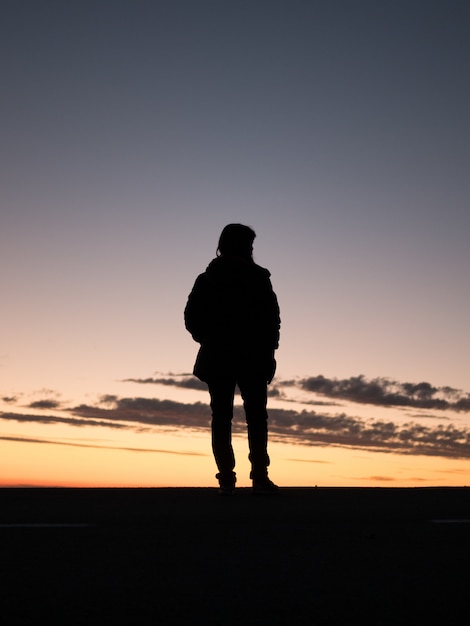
<point>133,131</point>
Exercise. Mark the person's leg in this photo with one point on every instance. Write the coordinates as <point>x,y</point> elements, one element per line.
<point>222,392</point>
<point>254,394</point>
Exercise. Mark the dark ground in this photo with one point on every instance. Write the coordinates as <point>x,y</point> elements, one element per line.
<point>188,556</point>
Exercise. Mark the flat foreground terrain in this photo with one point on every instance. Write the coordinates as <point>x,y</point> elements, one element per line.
<point>188,556</point>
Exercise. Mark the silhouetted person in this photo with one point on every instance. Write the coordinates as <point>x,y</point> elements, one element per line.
<point>232,311</point>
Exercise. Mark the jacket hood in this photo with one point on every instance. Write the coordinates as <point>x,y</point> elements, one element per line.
<point>229,270</point>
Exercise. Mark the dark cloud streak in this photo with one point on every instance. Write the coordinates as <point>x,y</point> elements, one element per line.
<point>44,404</point>
<point>53,419</point>
<point>386,392</point>
<point>184,381</point>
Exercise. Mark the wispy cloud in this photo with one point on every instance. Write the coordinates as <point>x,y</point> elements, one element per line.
<point>428,416</point>
<point>58,442</point>
<point>185,381</point>
<point>9,399</point>
<point>310,461</point>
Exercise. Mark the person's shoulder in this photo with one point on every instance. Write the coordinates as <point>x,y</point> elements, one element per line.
<point>200,282</point>
<point>260,271</point>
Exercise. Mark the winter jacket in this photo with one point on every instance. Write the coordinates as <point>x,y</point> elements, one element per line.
<point>232,311</point>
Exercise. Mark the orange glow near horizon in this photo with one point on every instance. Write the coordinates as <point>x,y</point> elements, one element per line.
<point>46,453</point>
<point>291,466</point>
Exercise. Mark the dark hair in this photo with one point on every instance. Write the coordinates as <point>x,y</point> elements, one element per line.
<point>236,240</point>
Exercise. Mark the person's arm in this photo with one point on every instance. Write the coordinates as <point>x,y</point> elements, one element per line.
<point>195,310</point>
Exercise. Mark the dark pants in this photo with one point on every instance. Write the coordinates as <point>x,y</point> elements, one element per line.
<point>254,394</point>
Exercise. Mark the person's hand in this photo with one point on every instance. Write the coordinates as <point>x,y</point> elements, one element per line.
<point>271,369</point>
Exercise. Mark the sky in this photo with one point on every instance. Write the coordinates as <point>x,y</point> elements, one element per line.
<point>133,132</point>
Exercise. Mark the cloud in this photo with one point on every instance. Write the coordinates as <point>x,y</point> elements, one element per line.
<point>185,381</point>
<point>428,416</point>
<point>99,447</point>
<point>385,392</point>
<point>310,461</point>
<point>44,404</point>
<point>148,411</point>
<point>126,413</point>
<point>54,419</point>
<point>188,381</point>
<point>371,434</point>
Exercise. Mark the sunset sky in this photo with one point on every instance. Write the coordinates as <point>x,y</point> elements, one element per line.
<point>133,131</point>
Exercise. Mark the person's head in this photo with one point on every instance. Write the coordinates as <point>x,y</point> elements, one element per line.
<point>236,240</point>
